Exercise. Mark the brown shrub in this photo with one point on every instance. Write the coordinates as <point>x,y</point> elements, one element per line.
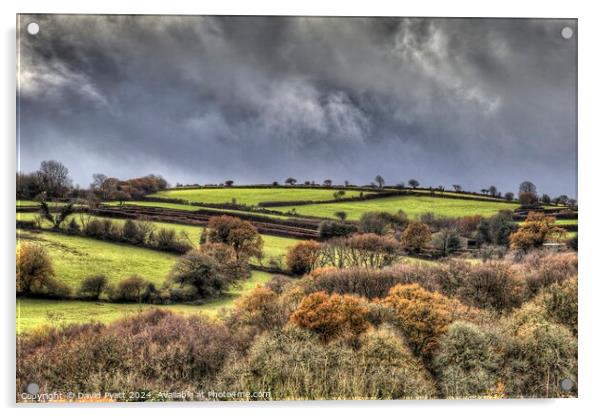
<point>35,273</point>
<point>303,257</point>
<point>152,351</point>
<point>492,285</point>
<point>416,237</point>
<point>369,283</point>
<point>332,316</point>
<point>544,269</point>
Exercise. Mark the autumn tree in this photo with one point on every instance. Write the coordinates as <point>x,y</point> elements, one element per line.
<point>332,316</point>
<point>35,272</point>
<point>303,257</point>
<point>240,234</point>
<point>416,237</point>
<point>536,230</point>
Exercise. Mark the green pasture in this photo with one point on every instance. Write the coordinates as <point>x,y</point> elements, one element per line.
<point>273,246</point>
<point>252,196</point>
<point>75,258</point>
<point>32,313</point>
<point>413,206</point>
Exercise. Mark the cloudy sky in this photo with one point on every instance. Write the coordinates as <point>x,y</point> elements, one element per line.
<point>475,102</point>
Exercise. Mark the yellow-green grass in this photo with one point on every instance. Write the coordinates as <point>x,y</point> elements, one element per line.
<point>75,258</point>
<point>252,196</point>
<point>23,203</point>
<point>273,246</point>
<point>32,313</point>
<point>413,206</point>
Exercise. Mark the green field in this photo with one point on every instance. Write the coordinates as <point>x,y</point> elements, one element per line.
<point>75,258</point>
<point>251,196</point>
<point>413,206</point>
<point>35,312</point>
<point>273,246</point>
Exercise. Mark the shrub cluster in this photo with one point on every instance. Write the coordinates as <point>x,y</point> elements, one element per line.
<point>140,233</point>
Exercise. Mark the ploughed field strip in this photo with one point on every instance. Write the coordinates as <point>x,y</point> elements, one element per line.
<point>301,228</point>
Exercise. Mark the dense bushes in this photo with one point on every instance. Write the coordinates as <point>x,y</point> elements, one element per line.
<point>329,229</point>
<point>382,223</point>
<point>538,354</point>
<point>455,329</point>
<point>150,352</point>
<point>294,364</point>
<point>467,361</point>
<point>35,273</point>
<point>207,275</point>
<point>140,233</point>
<point>93,286</point>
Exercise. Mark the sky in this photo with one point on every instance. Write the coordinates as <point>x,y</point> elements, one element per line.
<point>204,99</point>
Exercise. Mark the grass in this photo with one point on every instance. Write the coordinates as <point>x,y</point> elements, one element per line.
<point>413,206</point>
<point>251,196</point>
<point>75,258</point>
<point>273,246</point>
<point>32,313</point>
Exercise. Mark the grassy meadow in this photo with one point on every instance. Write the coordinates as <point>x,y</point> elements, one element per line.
<point>413,206</point>
<point>32,313</point>
<point>251,196</point>
<point>273,246</point>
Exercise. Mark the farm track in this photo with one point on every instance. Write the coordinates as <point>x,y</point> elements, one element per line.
<point>301,229</point>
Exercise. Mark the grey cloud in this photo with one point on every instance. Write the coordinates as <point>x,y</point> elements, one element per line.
<point>256,99</point>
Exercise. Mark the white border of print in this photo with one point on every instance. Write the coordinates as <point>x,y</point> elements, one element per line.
<point>589,28</point>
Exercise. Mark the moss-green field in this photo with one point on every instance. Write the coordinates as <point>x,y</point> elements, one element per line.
<point>32,313</point>
<point>75,258</point>
<point>273,246</point>
<point>251,196</point>
<point>413,206</point>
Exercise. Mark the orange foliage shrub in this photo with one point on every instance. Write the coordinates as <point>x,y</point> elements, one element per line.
<point>332,316</point>
<point>421,315</point>
<point>537,229</point>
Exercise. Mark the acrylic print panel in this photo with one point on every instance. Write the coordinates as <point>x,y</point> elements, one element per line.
<point>285,208</point>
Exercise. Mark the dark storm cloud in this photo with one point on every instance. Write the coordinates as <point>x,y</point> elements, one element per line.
<point>204,99</point>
